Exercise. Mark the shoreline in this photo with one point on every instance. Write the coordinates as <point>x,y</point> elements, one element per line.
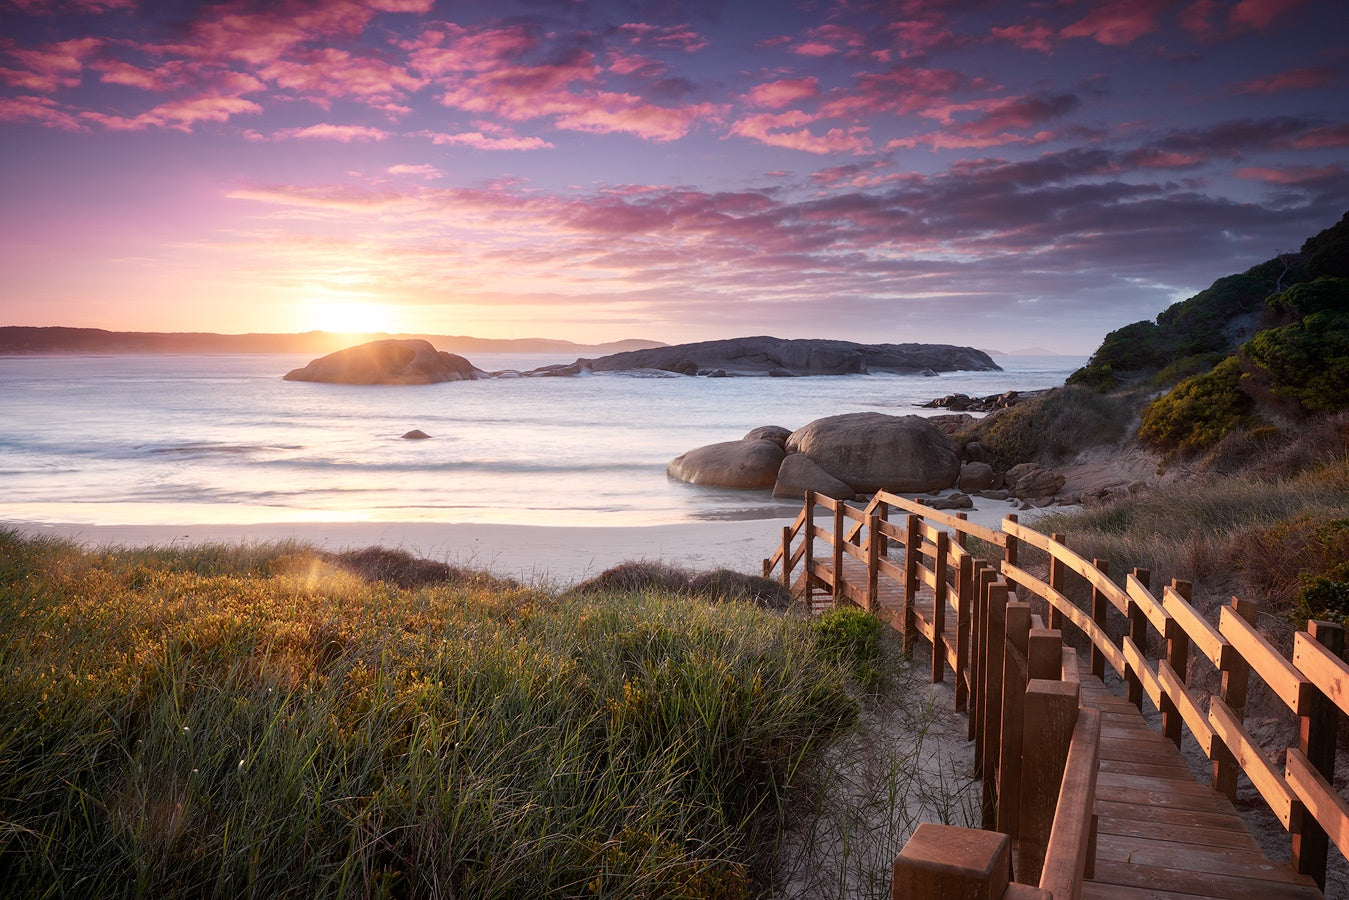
<point>550,554</point>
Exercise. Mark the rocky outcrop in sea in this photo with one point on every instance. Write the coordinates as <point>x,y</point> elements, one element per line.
<point>388,362</point>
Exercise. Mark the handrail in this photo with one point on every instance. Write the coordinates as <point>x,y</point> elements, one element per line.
<point>1314,684</point>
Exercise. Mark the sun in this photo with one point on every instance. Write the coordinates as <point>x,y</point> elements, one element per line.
<point>350,317</point>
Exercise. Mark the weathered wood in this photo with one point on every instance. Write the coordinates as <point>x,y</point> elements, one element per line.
<point>1238,741</point>
<point>913,543</point>
<point>1179,696</point>
<point>1099,580</point>
<point>1316,744</point>
<point>1044,654</point>
<point>939,608</point>
<point>1067,609</point>
<point>1323,668</point>
<point>984,576</point>
<point>1235,679</point>
<point>1324,803</point>
<point>1099,598</point>
<point>1010,549</point>
<point>1069,855</point>
<point>990,535</point>
<point>944,861</point>
<point>964,610</point>
<point>1141,609</point>
<point>1178,661</point>
<point>1204,636</point>
<point>995,644</point>
<point>1014,679</point>
<point>1058,581</point>
<point>1142,675</point>
<point>838,545</point>
<point>808,545</point>
<point>874,553</point>
<point>1278,673</point>
<point>1050,712</point>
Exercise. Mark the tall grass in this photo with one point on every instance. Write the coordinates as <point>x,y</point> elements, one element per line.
<point>262,722</point>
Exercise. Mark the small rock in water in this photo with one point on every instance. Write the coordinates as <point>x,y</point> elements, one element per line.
<point>416,434</point>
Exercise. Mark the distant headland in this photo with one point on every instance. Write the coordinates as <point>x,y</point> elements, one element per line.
<point>419,362</point>
<point>23,340</point>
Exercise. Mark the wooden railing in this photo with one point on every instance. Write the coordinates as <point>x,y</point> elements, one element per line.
<point>1014,675</point>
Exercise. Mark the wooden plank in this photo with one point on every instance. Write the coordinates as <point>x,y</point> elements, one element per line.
<point>1246,864</point>
<point>1068,854</point>
<point>856,552</point>
<point>1204,884</point>
<point>1323,668</point>
<point>1229,729</point>
<point>984,534</point>
<point>1222,818</point>
<point>1117,597</point>
<point>1209,837</point>
<point>1143,598</point>
<point>1285,681</point>
<point>1189,710</point>
<point>1320,799</point>
<point>1202,634</point>
<point>890,570</point>
<point>1070,611</point>
<point>1139,666</point>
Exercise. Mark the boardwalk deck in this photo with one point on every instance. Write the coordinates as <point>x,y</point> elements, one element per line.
<point>1160,833</point>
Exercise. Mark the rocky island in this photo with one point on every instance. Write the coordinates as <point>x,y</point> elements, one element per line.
<point>418,362</point>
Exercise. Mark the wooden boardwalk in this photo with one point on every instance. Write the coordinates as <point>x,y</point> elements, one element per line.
<point>1160,833</point>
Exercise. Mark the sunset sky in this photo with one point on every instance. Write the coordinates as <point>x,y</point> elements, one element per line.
<point>996,174</point>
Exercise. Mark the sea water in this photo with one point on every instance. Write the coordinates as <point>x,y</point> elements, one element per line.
<point>223,439</point>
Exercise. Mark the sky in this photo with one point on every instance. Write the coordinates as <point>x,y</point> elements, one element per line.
<point>1002,175</point>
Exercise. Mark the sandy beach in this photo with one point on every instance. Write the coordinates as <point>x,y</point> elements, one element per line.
<point>533,553</point>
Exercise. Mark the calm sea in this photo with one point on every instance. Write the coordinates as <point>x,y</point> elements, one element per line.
<point>194,440</point>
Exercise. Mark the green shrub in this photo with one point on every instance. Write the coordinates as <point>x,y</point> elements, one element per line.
<point>1198,412</point>
<point>1302,300</point>
<point>1054,426</point>
<point>1132,348</point>
<point>1306,363</point>
<point>1327,254</point>
<point>1324,599</point>
<point>1180,369</point>
<point>851,637</point>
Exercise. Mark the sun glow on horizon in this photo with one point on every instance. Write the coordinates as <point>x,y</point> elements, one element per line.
<point>349,317</point>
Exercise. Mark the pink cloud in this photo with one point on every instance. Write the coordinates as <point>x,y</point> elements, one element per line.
<point>1198,19</point>
<point>636,64</point>
<point>784,92</point>
<point>786,130</point>
<point>1259,14</point>
<point>329,73</point>
<point>326,132</point>
<point>260,38</point>
<point>402,6</point>
<point>37,109</point>
<point>1152,158</point>
<point>900,90</point>
<point>1118,23</point>
<point>480,141</point>
<point>943,140</point>
<point>1292,80</point>
<point>1292,174</point>
<point>916,36</point>
<point>678,37</point>
<point>52,66</point>
<point>48,7</point>
<point>421,171</point>
<point>178,114</point>
<point>1031,36</point>
<point>448,48</point>
<point>1325,136</point>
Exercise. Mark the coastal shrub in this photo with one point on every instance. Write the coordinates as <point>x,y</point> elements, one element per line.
<point>1180,369</point>
<point>292,729</point>
<point>1198,412</point>
<point>1330,295</point>
<point>1327,254</point>
<point>852,637</point>
<point>1052,427</point>
<point>1282,559</point>
<point>1306,363</point>
<point>1324,599</point>
<point>1133,348</point>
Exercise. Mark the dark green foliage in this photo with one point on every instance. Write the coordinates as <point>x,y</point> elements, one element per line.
<point>1196,325</point>
<point>1309,298</point>
<point>1132,348</point>
<point>1327,254</point>
<point>1324,599</point>
<point>850,636</point>
<point>1184,367</point>
<point>1049,428</point>
<point>1199,411</point>
<point>1306,363</point>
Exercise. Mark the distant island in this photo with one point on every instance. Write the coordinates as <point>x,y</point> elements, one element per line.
<point>23,340</point>
<point>416,361</point>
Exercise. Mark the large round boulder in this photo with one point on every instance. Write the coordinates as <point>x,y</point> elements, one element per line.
<point>388,362</point>
<point>745,465</point>
<point>775,433</point>
<point>872,452</point>
<point>799,474</point>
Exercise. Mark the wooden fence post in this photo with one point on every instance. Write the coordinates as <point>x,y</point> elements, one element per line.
<point>939,600</point>
<point>1316,740</point>
<point>1178,657</point>
<point>787,557</point>
<point>995,641</point>
<point>875,550</point>
<point>808,559</point>
<point>945,861</point>
<point>962,539</point>
<point>1138,633</point>
<point>913,548</point>
<point>984,576</point>
<point>1236,676</point>
<point>1058,580</point>
<point>1014,678</point>
<point>1010,554</point>
<point>964,611</point>
<point>838,552</point>
<point>1050,715</point>
<point>1099,605</point>
<point>1044,654</point>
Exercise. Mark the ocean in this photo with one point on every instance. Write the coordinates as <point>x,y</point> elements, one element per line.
<point>133,440</point>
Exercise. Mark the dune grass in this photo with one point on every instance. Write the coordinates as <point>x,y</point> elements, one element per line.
<point>262,722</point>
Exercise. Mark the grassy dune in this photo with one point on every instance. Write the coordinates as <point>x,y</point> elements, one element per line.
<point>266,722</point>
